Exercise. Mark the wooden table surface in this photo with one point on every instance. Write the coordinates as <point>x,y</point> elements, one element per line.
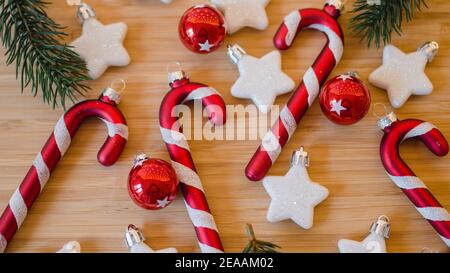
<point>89,203</point>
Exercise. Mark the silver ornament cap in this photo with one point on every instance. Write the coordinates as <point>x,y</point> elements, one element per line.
<point>236,53</point>
<point>338,4</point>
<point>300,158</point>
<point>139,158</point>
<point>85,12</point>
<point>430,49</point>
<point>133,236</point>
<point>354,74</point>
<point>387,120</point>
<point>381,226</point>
<point>112,94</point>
<point>176,76</point>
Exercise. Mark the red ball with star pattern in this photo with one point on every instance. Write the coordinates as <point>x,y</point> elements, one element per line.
<point>152,183</point>
<point>345,99</point>
<point>202,29</point>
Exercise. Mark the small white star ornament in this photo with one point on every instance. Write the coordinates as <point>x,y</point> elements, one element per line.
<point>403,75</point>
<point>100,45</point>
<point>373,243</point>
<point>135,242</point>
<point>261,80</point>
<point>294,195</point>
<point>243,13</point>
<point>166,1</point>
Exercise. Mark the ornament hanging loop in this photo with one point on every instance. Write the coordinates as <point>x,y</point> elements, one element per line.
<point>430,49</point>
<point>176,74</point>
<point>85,12</point>
<point>236,53</point>
<point>384,114</point>
<point>119,85</point>
<point>300,157</point>
<point>112,93</point>
<point>133,236</point>
<point>381,227</point>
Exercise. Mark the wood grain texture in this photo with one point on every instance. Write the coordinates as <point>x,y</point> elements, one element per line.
<point>86,202</point>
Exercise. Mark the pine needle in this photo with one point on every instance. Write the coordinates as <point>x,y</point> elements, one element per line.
<point>33,41</point>
<point>257,246</point>
<point>375,20</point>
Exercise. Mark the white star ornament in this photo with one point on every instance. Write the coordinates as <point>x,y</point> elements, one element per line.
<point>261,80</point>
<point>373,243</point>
<point>402,75</point>
<point>243,13</point>
<point>100,45</point>
<point>294,195</point>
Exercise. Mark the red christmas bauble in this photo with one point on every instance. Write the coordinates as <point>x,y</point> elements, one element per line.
<point>345,99</point>
<point>202,29</point>
<point>152,183</point>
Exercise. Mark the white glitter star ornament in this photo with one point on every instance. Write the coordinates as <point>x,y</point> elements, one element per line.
<point>261,80</point>
<point>100,45</point>
<point>243,13</point>
<point>134,239</point>
<point>402,75</point>
<point>373,243</point>
<point>294,195</point>
<point>166,1</point>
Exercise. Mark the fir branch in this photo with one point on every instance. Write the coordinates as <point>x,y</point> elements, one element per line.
<point>257,246</point>
<point>375,20</point>
<point>33,41</point>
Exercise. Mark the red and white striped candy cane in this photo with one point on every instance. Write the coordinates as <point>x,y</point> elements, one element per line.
<point>182,92</point>
<point>395,133</point>
<point>325,21</point>
<point>58,143</point>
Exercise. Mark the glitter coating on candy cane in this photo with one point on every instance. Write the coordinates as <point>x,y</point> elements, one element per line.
<point>322,20</point>
<point>197,206</point>
<point>67,126</point>
<point>413,187</point>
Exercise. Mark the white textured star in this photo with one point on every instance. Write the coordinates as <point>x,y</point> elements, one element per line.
<point>336,106</point>
<point>101,46</point>
<point>345,77</point>
<point>402,75</point>
<point>163,203</point>
<point>166,1</point>
<point>205,46</point>
<point>243,13</point>
<point>262,80</point>
<point>373,243</point>
<point>294,196</point>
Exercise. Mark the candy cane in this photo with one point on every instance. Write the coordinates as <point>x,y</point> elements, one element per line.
<point>325,21</point>
<point>55,148</point>
<point>395,133</point>
<point>195,199</point>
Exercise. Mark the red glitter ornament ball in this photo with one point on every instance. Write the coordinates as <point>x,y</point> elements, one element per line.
<point>202,29</point>
<point>152,183</point>
<point>345,99</point>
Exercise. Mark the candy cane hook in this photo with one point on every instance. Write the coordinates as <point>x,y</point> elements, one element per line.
<point>195,199</point>
<point>395,133</point>
<point>325,21</point>
<point>58,143</point>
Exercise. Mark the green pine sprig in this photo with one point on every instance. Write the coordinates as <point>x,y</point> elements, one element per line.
<point>375,20</point>
<point>33,41</point>
<point>257,246</point>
